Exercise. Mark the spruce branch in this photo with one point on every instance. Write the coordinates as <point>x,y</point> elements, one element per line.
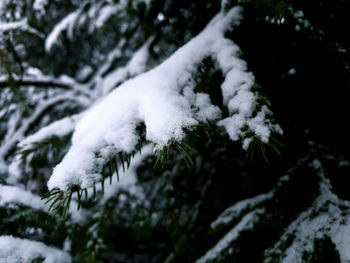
<point>184,148</point>
<point>60,200</point>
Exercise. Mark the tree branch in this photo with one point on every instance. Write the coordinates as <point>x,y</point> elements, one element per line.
<point>37,83</point>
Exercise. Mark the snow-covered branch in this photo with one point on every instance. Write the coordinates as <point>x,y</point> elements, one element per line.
<point>155,99</point>
<point>21,25</point>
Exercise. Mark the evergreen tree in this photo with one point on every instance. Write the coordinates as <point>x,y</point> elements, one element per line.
<point>174,131</point>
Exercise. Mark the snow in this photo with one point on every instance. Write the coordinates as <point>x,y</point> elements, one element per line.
<point>341,239</point>
<point>92,16</point>
<point>154,98</point>
<point>246,143</point>
<point>19,25</point>
<point>11,194</point>
<point>160,16</point>
<point>239,98</point>
<point>100,12</point>
<point>126,180</point>
<point>39,6</point>
<point>292,71</point>
<point>207,111</point>
<point>58,128</point>
<point>14,135</point>
<point>84,73</point>
<point>246,223</point>
<point>17,250</point>
<point>258,125</point>
<point>12,25</point>
<point>104,14</point>
<point>135,66</point>
<point>67,23</point>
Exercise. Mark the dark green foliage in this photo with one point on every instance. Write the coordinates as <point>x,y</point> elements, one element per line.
<point>183,148</point>
<point>266,149</point>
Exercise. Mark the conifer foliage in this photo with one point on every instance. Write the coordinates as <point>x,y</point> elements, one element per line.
<point>174,131</point>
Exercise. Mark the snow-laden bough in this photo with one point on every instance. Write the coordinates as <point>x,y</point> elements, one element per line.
<point>165,101</point>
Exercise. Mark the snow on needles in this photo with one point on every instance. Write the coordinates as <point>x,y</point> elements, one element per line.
<point>128,178</point>
<point>164,100</point>
<point>14,250</point>
<point>13,194</point>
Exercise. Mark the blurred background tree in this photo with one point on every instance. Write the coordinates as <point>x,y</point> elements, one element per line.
<point>284,199</point>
